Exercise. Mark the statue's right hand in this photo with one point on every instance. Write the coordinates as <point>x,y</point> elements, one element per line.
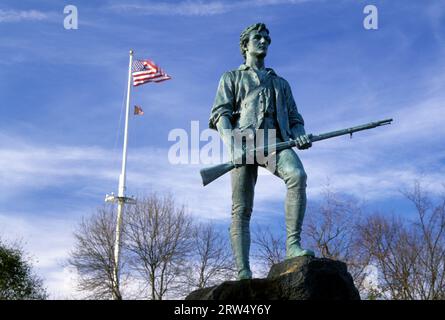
<point>235,146</point>
<point>235,151</point>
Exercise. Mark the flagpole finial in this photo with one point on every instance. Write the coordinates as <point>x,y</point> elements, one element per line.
<point>131,52</point>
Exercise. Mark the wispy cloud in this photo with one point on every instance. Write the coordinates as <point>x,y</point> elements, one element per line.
<point>197,8</point>
<point>25,167</point>
<point>24,15</point>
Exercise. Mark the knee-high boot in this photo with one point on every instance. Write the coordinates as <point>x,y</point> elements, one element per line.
<point>295,209</point>
<point>240,240</point>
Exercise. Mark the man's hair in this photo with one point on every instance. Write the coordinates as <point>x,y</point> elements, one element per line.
<point>244,37</point>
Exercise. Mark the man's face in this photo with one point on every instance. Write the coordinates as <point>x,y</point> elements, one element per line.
<point>258,43</point>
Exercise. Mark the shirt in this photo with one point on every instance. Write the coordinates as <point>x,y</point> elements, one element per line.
<point>245,99</point>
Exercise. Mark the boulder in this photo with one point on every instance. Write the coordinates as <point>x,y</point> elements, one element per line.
<point>301,278</point>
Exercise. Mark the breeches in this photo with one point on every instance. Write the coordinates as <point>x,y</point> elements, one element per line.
<point>288,167</point>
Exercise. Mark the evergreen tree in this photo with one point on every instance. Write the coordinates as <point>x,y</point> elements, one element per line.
<point>17,280</point>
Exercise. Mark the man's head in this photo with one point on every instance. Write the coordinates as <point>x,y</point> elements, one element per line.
<point>255,39</point>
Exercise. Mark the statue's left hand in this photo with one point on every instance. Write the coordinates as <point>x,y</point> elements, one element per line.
<point>304,142</point>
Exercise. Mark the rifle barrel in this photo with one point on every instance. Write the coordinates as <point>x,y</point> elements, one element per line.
<point>323,136</point>
<point>351,130</point>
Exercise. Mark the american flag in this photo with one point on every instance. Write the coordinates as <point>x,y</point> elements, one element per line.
<point>147,71</point>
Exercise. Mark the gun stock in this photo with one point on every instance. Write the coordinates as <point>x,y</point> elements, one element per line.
<point>212,173</point>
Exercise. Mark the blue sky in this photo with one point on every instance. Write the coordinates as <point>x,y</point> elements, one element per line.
<point>62,92</point>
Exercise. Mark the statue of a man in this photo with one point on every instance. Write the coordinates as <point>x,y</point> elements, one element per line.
<point>255,97</point>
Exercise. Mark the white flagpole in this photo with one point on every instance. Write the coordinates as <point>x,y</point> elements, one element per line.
<point>122,177</point>
<point>121,198</point>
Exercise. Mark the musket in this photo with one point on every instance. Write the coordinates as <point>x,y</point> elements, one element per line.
<point>210,174</point>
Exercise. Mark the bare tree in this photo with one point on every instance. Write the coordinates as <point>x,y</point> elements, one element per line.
<point>410,256</point>
<point>93,254</point>
<point>158,241</point>
<point>270,248</point>
<point>212,260</point>
<point>331,229</point>
<point>430,240</point>
<point>382,237</point>
<point>163,254</point>
<point>330,225</point>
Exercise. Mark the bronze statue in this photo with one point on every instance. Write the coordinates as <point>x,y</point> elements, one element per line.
<point>256,98</point>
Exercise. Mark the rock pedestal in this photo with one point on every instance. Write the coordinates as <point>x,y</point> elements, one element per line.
<point>301,278</point>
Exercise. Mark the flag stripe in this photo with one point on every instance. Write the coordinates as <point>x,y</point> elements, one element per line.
<point>147,77</point>
<point>151,79</point>
<point>143,72</point>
